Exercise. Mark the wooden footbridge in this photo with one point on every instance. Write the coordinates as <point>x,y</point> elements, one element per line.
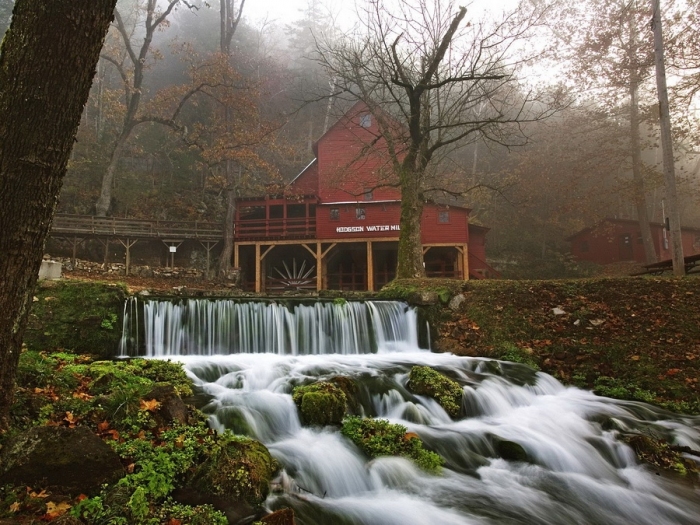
<point>76,228</point>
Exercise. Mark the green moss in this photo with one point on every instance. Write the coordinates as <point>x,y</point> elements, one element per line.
<point>660,454</point>
<point>49,385</point>
<point>378,437</point>
<point>510,352</point>
<point>320,404</point>
<point>425,381</point>
<point>81,317</point>
<point>236,467</point>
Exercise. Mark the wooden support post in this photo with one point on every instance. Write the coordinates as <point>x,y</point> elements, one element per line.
<point>172,248</point>
<point>258,268</point>
<point>465,262</point>
<point>127,258</point>
<point>75,243</point>
<point>370,267</point>
<point>208,246</point>
<point>319,267</point>
<point>236,256</point>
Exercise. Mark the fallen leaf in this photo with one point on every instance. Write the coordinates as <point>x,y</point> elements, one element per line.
<point>15,507</point>
<point>150,405</point>
<point>174,521</point>
<point>102,426</point>
<point>54,510</point>
<point>70,419</point>
<point>83,396</point>
<point>635,358</point>
<point>673,371</point>
<point>41,494</point>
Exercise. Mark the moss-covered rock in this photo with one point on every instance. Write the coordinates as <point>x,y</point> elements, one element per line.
<point>378,437</point>
<point>82,317</point>
<point>67,460</point>
<point>660,454</point>
<point>320,404</point>
<point>237,468</point>
<point>425,381</point>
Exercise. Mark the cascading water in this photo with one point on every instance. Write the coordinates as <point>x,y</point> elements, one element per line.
<point>573,469</point>
<point>209,327</point>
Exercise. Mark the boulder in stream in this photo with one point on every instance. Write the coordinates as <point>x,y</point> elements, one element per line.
<point>320,404</point>
<point>426,381</point>
<point>235,478</point>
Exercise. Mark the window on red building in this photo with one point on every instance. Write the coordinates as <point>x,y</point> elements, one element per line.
<point>335,214</point>
<point>444,217</point>
<point>360,213</point>
<point>368,195</point>
<point>366,120</point>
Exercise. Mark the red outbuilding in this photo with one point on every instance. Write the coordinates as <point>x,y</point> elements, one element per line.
<point>617,240</point>
<point>336,226</point>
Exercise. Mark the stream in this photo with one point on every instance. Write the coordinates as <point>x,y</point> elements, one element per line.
<point>246,358</point>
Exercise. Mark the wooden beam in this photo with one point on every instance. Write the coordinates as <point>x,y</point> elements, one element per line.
<point>127,258</point>
<point>465,264</point>
<point>319,267</point>
<point>312,252</point>
<point>426,249</point>
<point>266,252</point>
<point>208,246</point>
<point>258,268</point>
<point>370,267</point>
<point>329,249</point>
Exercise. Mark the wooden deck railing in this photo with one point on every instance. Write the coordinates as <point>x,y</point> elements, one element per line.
<point>299,228</point>
<point>97,226</point>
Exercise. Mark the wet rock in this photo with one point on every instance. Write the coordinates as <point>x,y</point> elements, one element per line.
<point>172,409</point>
<point>320,404</point>
<point>456,302</point>
<point>236,474</point>
<point>425,381</point>
<point>423,297</point>
<point>280,517</point>
<point>65,460</point>
<point>509,450</point>
<point>349,388</point>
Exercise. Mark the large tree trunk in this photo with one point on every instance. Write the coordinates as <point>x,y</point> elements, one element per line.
<point>47,62</point>
<point>227,250</point>
<point>667,145</point>
<point>640,198</point>
<point>410,256</point>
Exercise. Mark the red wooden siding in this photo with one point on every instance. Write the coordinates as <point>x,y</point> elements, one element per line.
<point>616,240</point>
<point>352,159</point>
<point>306,182</point>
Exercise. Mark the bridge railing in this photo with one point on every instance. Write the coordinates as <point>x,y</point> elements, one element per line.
<point>90,225</point>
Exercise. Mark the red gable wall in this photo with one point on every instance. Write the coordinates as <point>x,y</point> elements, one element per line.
<point>353,159</point>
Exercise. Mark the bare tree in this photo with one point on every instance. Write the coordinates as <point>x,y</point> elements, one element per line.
<point>434,82</point>
<point>47,62</point>
<point>608,55</point>
<point>131,68</point>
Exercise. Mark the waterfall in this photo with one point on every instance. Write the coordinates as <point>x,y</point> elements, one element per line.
<point>573,464</point>
<point>213,327</point>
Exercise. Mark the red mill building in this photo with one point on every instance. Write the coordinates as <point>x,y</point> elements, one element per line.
<point>337,218</point>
